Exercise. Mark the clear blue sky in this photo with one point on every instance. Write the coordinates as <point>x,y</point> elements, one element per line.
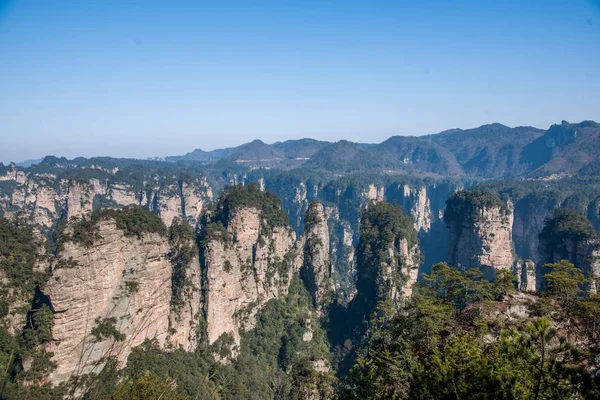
<point>145,78</point>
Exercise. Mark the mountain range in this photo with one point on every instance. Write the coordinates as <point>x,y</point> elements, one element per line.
<point>489,151</point>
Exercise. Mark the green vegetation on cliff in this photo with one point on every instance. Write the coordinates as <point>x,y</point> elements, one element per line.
<point>273,361</point>
<point>22,312</point>
<point>19,253</point>
<point>132,220</point>
<point>566,224</point>
<point>466,205</point>
<point>237,197</point>
<point>183,249</point>
<point>382,227</point>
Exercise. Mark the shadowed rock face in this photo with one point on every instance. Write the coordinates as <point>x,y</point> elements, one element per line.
<point>480,227</point>
<point>315,247</point>
<point>570,236</point>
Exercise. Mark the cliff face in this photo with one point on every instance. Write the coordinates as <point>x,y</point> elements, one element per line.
<point>344,199</point>
<point>527,276</point>
<point>185,316</point>
<point>388,255</point>
<point>529,216</point>
<point>568,235</point>
<point>43,198</point>
<point>186,294</point>
<point>113,290</point>
<point>341,253</point>
<point>480,228</point>
<point>107,298</point>
<point>315,247</point>
<point>245,267</point>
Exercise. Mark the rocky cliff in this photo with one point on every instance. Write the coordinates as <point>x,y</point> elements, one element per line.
<point>186,294</point>
<point>343,200</point>
<point>388,255</point>
<point>314,252</point>
<point>111,289</point>
<point>568,235</point>
<point>530,212</point>
<point>249,257</point>
<point>480,227</point>
<point>341,254</point>
<point>526,272</point>
<point>45,198</point>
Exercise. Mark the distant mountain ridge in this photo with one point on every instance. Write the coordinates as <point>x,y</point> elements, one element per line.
<point>490,151</point>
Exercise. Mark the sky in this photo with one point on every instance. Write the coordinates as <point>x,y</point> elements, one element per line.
<point>156,78</point>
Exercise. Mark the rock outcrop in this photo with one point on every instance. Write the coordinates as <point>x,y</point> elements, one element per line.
<point>44,198</point>
<point>314,251</point>
<point>107,298</point>
<point>111,289</point>
<point>388,255</point>
<point>570,236</point>
<point>249,259</point>
<point>526,272</point>
<point>480,227</point>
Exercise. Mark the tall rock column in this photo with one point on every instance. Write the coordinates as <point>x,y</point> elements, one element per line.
<point>249,258</point>
<point>480,227</point>
<point>186,302</point>
<point>526,272</point>
<point>388,255</point>
<point>316,266</point>
<point>570,236</point>
<point>110,290</point>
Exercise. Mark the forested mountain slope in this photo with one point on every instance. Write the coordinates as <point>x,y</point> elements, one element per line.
<point>489,151</point>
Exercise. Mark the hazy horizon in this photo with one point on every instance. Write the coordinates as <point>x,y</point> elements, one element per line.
<point>143,79</point>
<point>271,143</point>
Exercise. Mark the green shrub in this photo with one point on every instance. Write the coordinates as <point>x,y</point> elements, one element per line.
<point>105,328</point>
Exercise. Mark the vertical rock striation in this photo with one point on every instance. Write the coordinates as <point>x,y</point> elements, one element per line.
<point>388,255</point>
<point>570,236</point>
<point>480,227</point>
<point>315,247</point>
<point>249,258</point>
<point>111,288</point>
<point>108,296</point>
